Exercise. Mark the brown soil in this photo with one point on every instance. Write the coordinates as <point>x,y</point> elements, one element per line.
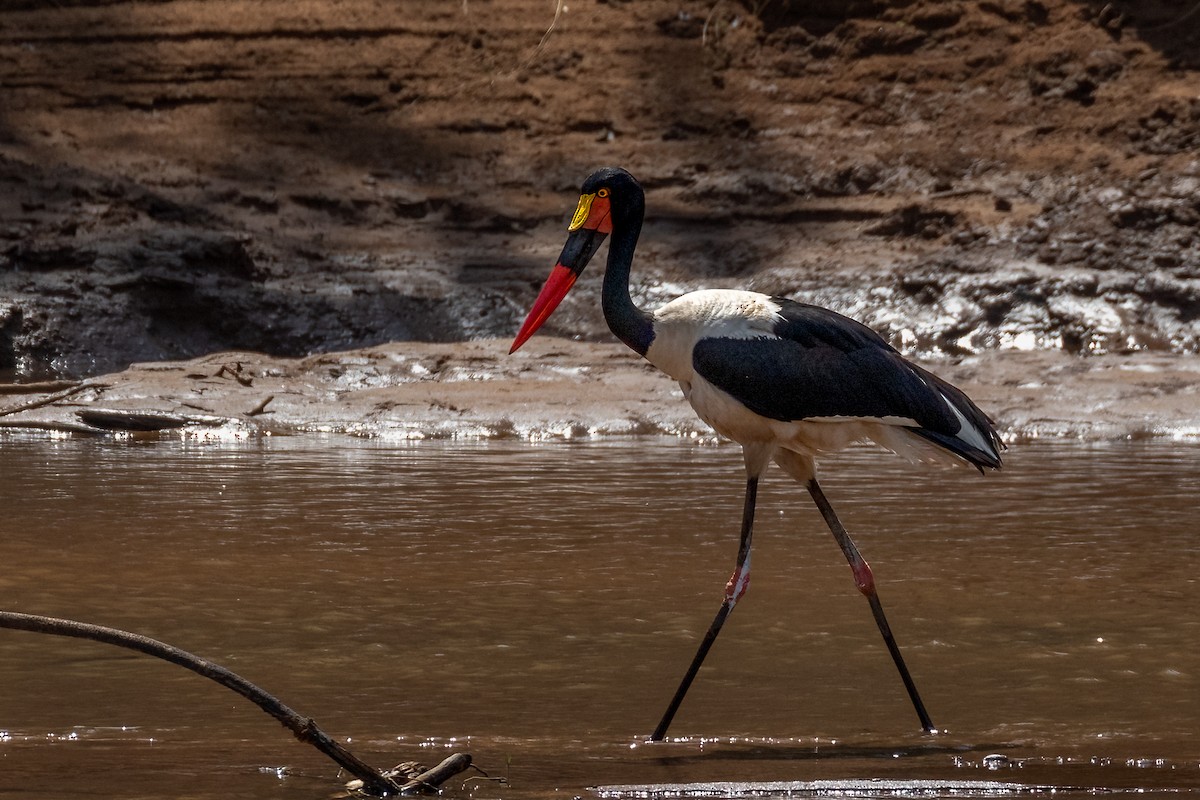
<point>558,389</point>
<point>180,177</point>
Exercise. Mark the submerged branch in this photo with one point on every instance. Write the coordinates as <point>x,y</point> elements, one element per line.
<point>434,777</point>
<point>304,728</point>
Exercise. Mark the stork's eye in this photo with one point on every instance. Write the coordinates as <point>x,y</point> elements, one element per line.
<point>602,193</point>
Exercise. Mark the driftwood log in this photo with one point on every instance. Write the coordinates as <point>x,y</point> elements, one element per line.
<point>304,728</point>
<point>49,399</point>
<point>37,387</point>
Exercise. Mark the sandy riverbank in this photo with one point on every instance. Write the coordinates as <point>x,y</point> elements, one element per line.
<point>555,388</point>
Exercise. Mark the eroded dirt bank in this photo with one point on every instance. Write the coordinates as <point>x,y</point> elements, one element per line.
<point>180,178</point>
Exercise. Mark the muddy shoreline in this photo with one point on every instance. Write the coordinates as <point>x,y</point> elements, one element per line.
<point>562,389</point>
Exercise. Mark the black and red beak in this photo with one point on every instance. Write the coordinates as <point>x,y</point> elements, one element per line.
<point>590,225</point>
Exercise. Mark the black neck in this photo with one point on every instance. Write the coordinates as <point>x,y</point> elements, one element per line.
<point>631,325</point>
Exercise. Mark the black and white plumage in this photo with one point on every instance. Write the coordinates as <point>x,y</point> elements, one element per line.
<point>786,380</point>
<point>761,368</point>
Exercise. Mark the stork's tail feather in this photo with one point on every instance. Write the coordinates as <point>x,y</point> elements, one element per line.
<point>979,458</point>
<point>976,439</point>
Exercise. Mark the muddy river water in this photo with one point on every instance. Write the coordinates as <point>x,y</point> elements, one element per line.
<point>536,604</point>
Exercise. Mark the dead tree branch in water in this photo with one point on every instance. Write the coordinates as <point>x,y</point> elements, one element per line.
<point>304,728</point>
<point>434,777</point>
<point>419,779</point>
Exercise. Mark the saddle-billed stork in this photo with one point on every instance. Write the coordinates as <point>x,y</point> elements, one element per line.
<point>787,381</point>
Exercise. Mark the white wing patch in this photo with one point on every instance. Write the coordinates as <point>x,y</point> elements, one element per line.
<point>722,313</point>
<point>709,313</point>
<point>968,432</point>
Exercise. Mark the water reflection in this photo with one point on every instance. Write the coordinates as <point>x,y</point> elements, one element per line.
<point>538,603</point>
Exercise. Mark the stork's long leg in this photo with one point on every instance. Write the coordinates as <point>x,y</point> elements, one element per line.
<point>738,583</point>
<point>866,584</point>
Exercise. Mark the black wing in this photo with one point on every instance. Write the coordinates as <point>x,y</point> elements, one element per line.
<point>822,364</point>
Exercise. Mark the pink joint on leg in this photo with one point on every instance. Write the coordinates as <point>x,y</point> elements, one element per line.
<point>863,578</point>
<point>738,583</point>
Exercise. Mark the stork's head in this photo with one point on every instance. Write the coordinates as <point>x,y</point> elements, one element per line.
<point>609,196</point>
